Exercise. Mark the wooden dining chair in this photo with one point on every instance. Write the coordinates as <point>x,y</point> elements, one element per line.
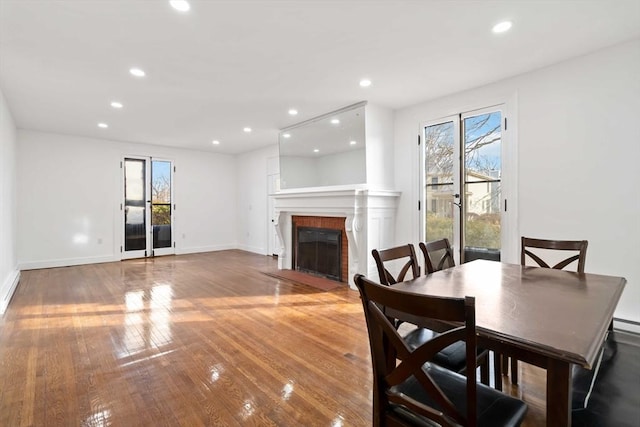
<point>400,254</point>
<point>534,249</point>
<point>411,390</point>
<point>404,253</point>
<point>454,356</point>
<point>437,255</point>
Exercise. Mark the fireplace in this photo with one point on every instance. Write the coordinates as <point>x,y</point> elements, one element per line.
<point>365,217</point>
<point>320,246</point>
<point>318,251</point>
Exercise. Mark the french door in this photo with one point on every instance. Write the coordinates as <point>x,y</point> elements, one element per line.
<point>462,183</point>
<point>147,207</point>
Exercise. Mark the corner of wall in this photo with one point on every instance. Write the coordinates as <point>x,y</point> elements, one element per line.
<point>8,288</point>
<point>9,274</point>
<point>379,130</point>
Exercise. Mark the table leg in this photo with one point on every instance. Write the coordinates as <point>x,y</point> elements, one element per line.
<point>558,393</point>
<point>497,371</point>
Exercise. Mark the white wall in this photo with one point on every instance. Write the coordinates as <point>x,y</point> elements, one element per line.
<point>71,186</point>
<point>379,125</point>
<point>578,144</point>
<point>9,274</point>
<point>252,189</point>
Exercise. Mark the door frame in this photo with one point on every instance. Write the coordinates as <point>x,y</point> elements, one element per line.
<point>273,186</point>
<point>457,213</point>
<point>142,253</point>
<point>171,250</point>
<point>273,245</point>
<point>509,151</point>
<point>149,251</point>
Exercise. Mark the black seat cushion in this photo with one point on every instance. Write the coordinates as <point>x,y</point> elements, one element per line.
<point>453,357</point>
<point>494,408</point>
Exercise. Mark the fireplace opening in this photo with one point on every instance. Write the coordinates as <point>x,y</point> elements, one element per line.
<point>319,251</point>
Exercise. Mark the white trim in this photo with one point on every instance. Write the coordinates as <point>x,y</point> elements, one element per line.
<point>8,289</point>
<point>253,249</point>
<point>621,325</point>
<point>66,262</point>
<point>510,251</point>
<point>369,220</point>
<point>199,249</point>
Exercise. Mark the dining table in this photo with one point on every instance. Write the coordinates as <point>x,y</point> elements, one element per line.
<point>546,317</point>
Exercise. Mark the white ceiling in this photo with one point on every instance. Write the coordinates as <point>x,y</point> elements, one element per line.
<point>225,65</point>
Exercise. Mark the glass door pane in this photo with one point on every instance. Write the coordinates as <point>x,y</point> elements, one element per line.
<point>482,139</point>
<point>439,181</point>
<point>161,203</point>
<point>135,214</point>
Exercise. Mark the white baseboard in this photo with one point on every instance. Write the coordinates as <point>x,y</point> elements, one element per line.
<point>34,265</point>
<point>199,249</point>
<point>66,262</point>
<point>8,288</point>
<point>626,325</point>
<point>253,249</point>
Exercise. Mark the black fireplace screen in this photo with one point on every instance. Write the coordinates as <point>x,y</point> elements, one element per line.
<point>319,251</point>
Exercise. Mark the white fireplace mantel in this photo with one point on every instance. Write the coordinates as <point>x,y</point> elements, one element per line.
<point>369,220</point>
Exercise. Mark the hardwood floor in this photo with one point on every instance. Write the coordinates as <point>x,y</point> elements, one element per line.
<point>193,340</point>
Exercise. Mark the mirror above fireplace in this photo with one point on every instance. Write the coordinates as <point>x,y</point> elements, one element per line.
<point>325,151</point>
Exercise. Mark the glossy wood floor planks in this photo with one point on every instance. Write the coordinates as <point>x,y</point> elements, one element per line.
<point>193,340</point>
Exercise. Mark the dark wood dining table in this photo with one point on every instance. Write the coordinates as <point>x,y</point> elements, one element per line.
<point>545,317</point>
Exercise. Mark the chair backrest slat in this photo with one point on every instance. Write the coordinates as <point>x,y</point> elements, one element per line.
<point>430,251</point>
<point>579,246</point>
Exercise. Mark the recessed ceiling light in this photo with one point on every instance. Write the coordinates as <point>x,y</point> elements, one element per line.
<point>502,27</point>
<point>286,135</point>
<point>315,150</point>
<point>335,121</point>
<point>116,104</point>
<point>180,5</point>
<point>103,125</point>
<point>215,142</point>
<point>293,112</point>
<point>353,142</point>
<point>137,72</point>
<point>365,82</point>
<point>247,129</point>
